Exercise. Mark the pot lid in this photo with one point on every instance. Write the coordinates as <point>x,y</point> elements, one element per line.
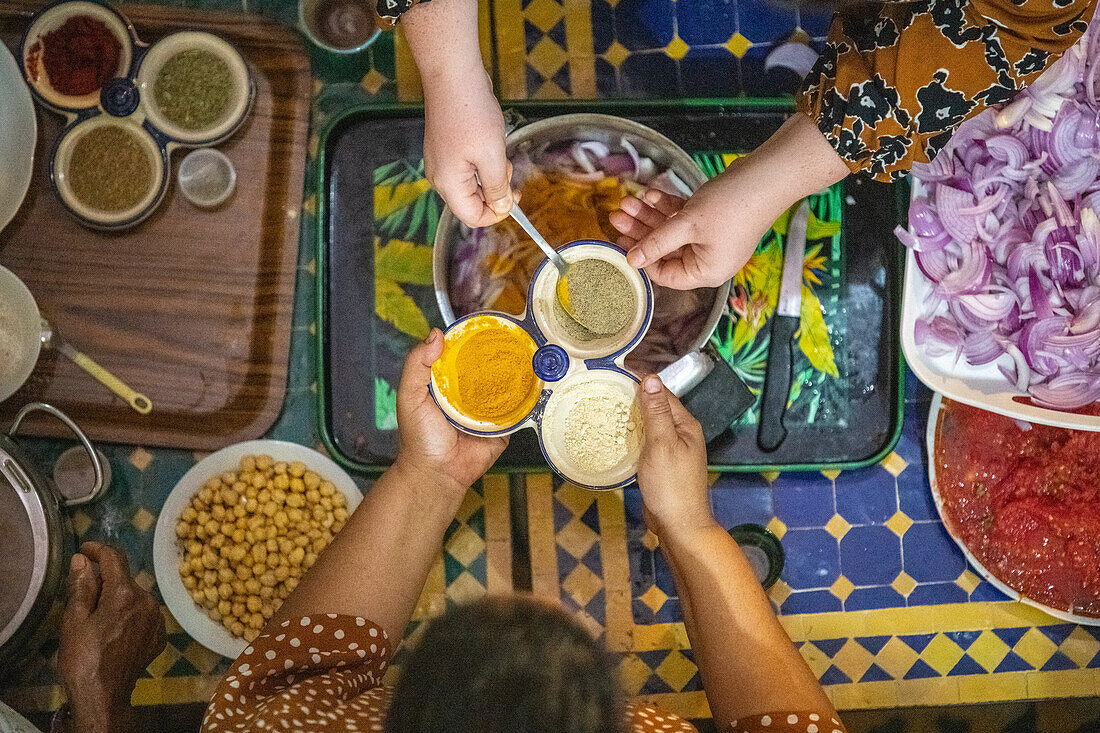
<point>24,546</point>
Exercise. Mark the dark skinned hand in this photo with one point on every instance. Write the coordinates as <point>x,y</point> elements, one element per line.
<point>111,630</point>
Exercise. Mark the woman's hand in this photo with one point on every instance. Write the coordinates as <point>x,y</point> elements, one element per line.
<point>672,472</point>
<point>430,448</point>
<point>111,630</point>
<point>707,239</point>
<point>700,242</point>
<point>464,154</point>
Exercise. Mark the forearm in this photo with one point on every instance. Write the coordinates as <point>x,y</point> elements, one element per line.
<point>376,566</point>
<point>442,37</point>
<point>745,657</point>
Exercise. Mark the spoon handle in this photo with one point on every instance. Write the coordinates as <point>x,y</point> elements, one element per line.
<point>138,401</point>
<point>550,252</point>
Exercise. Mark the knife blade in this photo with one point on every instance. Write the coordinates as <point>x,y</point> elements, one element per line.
<point>785,323</point>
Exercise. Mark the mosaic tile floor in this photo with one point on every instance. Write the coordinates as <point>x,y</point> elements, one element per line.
<point>878,599</point>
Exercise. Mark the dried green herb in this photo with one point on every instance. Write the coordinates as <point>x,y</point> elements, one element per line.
<point>110,169</point>
<point>600,296</point>
<point>193,89</point>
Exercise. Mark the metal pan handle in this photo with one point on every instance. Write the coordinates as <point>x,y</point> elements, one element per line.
<point>97,486</point>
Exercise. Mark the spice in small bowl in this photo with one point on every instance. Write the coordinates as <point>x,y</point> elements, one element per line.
<point>108,172</point>
<point>592,428</point>
<point>207,177</point>
<point>610,296</point>
<point>484,380</point>
<point>195,87</point>
<point>72,49</point>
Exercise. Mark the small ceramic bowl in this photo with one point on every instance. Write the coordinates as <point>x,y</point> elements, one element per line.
<point>207,177</point>
<point>62,175</point>
<point>53,18</point>
<point>240,99</point>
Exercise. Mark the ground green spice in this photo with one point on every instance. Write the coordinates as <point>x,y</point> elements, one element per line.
<point>110,169</point>
<point>600,297</point>
<point>576,331</point>
<point>193,89</point>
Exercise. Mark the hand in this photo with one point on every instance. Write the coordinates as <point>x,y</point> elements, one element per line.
<point>111,630</point>
<point>430,447</point>
<point>706,240</point>
<point>700,242</point>
<point>464,154</point>
<point>672,471</point>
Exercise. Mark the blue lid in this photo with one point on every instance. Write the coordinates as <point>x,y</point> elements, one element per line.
<point>550,363</point>
<point>119,97</point>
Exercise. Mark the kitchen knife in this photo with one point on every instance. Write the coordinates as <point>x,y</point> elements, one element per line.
<point>785,323</point>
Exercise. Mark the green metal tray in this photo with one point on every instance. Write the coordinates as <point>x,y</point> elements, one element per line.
<point>846,421</point>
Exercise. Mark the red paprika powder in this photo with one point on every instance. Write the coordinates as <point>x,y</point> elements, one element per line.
<point>80,55</point>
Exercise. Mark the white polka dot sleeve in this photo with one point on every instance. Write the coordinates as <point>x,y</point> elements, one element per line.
<point>789,722</point>
<point>315,673</point>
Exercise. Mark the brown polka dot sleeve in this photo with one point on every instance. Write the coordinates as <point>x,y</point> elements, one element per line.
<point>323,673</point>
<point>891,86</point>
<point>797,722</point>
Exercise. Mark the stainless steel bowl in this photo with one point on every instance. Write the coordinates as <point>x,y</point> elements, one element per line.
<point>690,369</point>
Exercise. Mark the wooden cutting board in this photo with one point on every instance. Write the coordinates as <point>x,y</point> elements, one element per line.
<point>192,307</point>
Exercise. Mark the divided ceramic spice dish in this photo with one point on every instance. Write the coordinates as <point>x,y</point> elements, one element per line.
<point>128,104</point>
<point>565,370</point>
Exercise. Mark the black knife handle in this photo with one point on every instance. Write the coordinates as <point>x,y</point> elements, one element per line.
<point>777,383</point>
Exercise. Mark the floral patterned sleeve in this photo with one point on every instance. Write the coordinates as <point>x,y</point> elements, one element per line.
<point>891,87</point>
<point>388,12</point>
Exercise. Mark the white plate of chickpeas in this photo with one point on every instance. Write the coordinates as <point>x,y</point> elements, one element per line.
<point>239,530</point>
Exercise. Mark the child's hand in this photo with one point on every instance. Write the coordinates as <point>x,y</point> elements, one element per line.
<point>464,142</point>
<point>695,243</point>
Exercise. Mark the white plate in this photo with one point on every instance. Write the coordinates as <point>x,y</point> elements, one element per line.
<point>984,386</point>
<point>930,439</point>
<point>18,135</point>
<point>167,552</point>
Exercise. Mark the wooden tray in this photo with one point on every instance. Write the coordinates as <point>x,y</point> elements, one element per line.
<point>192,307</point>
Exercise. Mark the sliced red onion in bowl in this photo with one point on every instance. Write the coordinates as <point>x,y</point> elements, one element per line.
<point>1007,232</point>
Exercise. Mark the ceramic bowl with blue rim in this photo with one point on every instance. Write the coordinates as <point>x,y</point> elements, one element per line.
<point>569,368</point>
<point>130,100</point>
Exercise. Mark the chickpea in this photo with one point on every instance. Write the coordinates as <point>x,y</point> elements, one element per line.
<point>217,512</point>
<point>326,502</point>
<point>252,585</point>
<point>282,573</point>
<point>213,527</point>
<point>188,514</point>
<point>238,590</point>
<point>337,525</point>
<point>225,576</point>
<point>297,555</point>
<point>267,610</point>
<point>251,505</point>
<point>244,572</point>
<point>279,468</point>
<point>184,530</point>
<point>236,628</point>
<point>225,608</point>
<point>194,548</point>
<point>340,513</point>
<point>228,478</point>
<point>313,496</point>
<point>214,615</point>
<point>251,492</point>
<point>210,578</point>
<point>189,582</point>
<point>250,635</point>
<point>281,482</point>
<point>264,462</point>
<point>247,463</point>
<point>231,497</point>
<point>268,579</point>
<point>267,592</point>
<point>297,486</point>
<point>291,584</point>
<point>237,537</point>
<point>259,481</point>
<point>311,557</point>
<point>257,621</point>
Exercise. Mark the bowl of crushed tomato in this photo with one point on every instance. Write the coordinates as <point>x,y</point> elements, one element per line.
<point>1022,501</point>
<point>72,49</point>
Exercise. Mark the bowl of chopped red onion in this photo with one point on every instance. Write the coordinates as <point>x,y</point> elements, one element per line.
<point>1002,285</point>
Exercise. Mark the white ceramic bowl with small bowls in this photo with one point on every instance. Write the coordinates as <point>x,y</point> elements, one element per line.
<point>18,135</point>
<point>50,20</point>
<point>95,218</point>
<point>167,551</point>
<point>240,99</point>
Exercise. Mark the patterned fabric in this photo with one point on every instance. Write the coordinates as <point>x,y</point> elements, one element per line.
<point>388,12</point>
<point>323,673</point>
<point>800,722</point>
<point>891,87</point>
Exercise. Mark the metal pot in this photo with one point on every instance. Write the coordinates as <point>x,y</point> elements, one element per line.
<point>692,367</point>
<point>36,541</point>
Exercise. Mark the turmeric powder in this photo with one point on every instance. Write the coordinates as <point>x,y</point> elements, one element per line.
<point>485,371</point>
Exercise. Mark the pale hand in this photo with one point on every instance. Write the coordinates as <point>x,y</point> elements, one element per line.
<point>672,471</point>
<point>700,242</point>
<point>464,153</point>
<point>430,448</point>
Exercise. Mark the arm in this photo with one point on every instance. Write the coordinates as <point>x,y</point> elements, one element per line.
<point>748,663</point>
<point>464,154</point>
<point>376,566</point>
<point>708,238</point>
